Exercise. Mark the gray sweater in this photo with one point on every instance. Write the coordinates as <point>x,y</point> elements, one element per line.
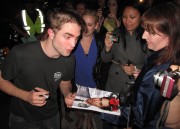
<point>116,77</point>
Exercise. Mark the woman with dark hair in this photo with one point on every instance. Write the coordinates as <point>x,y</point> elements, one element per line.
<point>162,33</point>
<point>127,51</point>
<point>109,16</point>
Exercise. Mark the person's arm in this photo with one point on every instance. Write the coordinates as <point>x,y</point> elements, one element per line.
<point>173,120</point>
<point>10,89</point>
<point>32,97</point>
<point>21,31</point>
<point>101,19</point>
<point>66,89</point>
<point>17,25</point>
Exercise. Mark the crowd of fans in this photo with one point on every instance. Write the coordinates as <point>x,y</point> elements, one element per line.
<point>114,45</point>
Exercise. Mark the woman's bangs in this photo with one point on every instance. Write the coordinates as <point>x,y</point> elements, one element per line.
<point>149,25</point>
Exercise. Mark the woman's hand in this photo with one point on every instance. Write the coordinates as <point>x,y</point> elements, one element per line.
<point>136,73</point>
<point>128,69</point>
<point>108,41</point>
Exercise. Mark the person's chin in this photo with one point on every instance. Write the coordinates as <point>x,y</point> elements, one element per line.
<point>149,46</point>
<point>66,54</point>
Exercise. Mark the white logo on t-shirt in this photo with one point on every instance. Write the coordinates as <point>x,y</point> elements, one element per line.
<point>57,76</point>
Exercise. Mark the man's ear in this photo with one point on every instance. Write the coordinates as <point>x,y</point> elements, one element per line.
<point>50,33</point>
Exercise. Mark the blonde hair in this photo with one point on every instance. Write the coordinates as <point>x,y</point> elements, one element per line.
<point>92,13</point>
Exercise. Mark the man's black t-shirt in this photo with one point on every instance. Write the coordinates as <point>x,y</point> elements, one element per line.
<point>29,67</point>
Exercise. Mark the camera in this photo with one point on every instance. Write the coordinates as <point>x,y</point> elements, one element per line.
<point>167,81</point>
<point>105,11</point>
<point>115,37</point>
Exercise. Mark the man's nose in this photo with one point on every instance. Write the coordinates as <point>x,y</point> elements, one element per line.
<point>128,20</point>
<point>73,43</point>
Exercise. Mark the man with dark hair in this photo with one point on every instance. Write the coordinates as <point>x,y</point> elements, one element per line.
<point>38,69</point>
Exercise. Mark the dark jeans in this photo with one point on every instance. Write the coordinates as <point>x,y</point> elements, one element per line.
<point>17,122</point>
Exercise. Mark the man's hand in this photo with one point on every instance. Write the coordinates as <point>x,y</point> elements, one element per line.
<point>69,99</point>
<point>37,97</point>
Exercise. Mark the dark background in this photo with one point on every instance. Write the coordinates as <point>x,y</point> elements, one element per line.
<point>9,8</point>
<point>5,15</point>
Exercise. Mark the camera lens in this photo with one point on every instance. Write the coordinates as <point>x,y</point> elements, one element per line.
<point>115,37</point>
<point>158,77</point>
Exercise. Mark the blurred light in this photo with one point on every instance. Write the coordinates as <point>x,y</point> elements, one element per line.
<point>141,1</point>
